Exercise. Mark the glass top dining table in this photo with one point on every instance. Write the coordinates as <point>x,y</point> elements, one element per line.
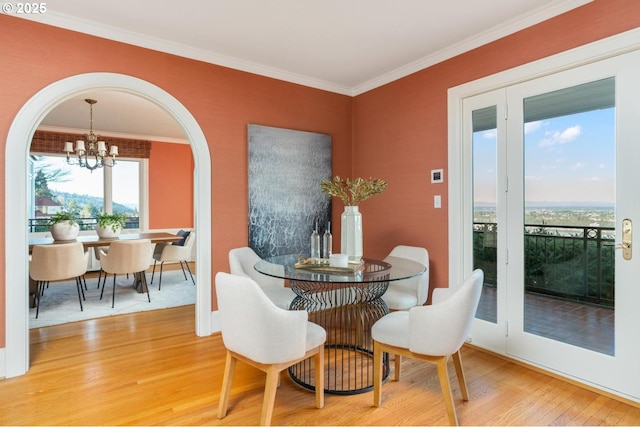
<point>392,268</point>
<point>346,303</point>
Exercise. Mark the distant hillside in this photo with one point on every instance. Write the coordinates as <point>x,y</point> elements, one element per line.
<point>580,216</point>
<point>81,200</point>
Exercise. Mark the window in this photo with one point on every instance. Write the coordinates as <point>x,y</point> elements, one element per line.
<point>57,186</point>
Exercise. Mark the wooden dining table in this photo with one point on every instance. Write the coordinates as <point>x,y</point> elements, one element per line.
<point>93,240</point>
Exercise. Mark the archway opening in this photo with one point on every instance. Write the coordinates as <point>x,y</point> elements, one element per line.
<point>16,246</point>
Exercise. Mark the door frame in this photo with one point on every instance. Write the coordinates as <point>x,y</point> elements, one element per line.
<point>460,203</point>
<point>16,353</point>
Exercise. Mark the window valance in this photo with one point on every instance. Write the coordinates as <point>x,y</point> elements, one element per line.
<point>53,142</point>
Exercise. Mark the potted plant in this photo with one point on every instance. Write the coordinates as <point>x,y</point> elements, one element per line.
<point>352,192</point>
<point>110,225</point>
<point>64,226</point>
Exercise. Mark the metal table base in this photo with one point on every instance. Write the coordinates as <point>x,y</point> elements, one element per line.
<point>347,312</point>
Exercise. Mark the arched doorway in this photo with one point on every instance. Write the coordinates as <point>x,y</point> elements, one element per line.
<point>17,150</point>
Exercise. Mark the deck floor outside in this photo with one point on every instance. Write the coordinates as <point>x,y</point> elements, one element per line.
<point>571,322</point>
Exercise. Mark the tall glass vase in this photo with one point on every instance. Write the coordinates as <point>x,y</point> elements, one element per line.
<point>351,233</point>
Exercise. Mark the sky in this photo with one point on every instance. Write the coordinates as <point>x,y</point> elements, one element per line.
<point>567,160</point>
<point>83,181</point>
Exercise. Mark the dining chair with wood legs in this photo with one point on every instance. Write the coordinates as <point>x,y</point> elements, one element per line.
<point>257,332</point>
<point>430,333</point>
<point>241,262</point>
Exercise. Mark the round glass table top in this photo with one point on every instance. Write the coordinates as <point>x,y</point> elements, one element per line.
<point>392,268</point>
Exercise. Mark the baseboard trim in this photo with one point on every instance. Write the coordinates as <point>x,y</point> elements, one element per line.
<point>3,364</point>
<point>556,375</point>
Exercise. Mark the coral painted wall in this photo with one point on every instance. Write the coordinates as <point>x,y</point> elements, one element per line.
<point>397,132</point>
<point>223,102</point>
<point>170,186</point>
<point>401,129</point>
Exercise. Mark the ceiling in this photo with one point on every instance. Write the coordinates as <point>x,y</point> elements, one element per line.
<point>343,46</point>
<point>115,114</point>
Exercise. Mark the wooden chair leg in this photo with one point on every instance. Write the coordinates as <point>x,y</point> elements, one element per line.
<point>457,363</point>
<point>318,360</point>
<point>443,376</point>
<point>227,379</point>
<point>377,374</point>
<point>270,389</point>
<point>396,369</point>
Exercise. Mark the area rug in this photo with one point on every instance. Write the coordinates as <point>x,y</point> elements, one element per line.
<point>59,304</point>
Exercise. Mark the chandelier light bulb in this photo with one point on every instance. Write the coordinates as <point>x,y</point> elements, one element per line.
<point>95,155</point>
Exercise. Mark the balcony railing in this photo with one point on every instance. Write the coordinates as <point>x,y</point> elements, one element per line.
<point>40,224</point>
<point>575,263</point>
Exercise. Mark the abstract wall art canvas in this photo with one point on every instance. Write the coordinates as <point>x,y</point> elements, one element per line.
<point>285,200</point>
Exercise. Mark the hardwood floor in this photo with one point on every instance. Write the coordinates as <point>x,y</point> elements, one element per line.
<point>151,369</point>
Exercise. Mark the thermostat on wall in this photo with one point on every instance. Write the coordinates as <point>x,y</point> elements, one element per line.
<point>437,176</point>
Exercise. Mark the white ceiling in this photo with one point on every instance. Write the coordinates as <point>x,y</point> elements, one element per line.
<point>343,46</point>
<point>115,114</point>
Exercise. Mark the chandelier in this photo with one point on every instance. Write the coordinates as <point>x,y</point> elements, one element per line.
<point>95,156</point>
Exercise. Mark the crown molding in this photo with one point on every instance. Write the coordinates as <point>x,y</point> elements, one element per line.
<point>167,46</point>
<point>534,17</point>
<point>162,45</point>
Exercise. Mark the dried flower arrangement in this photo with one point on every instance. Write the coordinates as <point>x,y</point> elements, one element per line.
<point>353,191</point>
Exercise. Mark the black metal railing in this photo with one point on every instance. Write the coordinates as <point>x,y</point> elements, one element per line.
<point>41,224</point>
<point>575,263</point>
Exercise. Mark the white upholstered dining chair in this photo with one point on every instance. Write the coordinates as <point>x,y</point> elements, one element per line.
<point>60,261</point>
<point>126,256</point>
<point>256,332</point>
<point>174,252</point>
<point>407,293</point>
<point>241,262</point>
<point>430,333</point>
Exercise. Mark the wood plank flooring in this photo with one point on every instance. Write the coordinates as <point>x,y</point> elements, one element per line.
<point>151,369</point>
